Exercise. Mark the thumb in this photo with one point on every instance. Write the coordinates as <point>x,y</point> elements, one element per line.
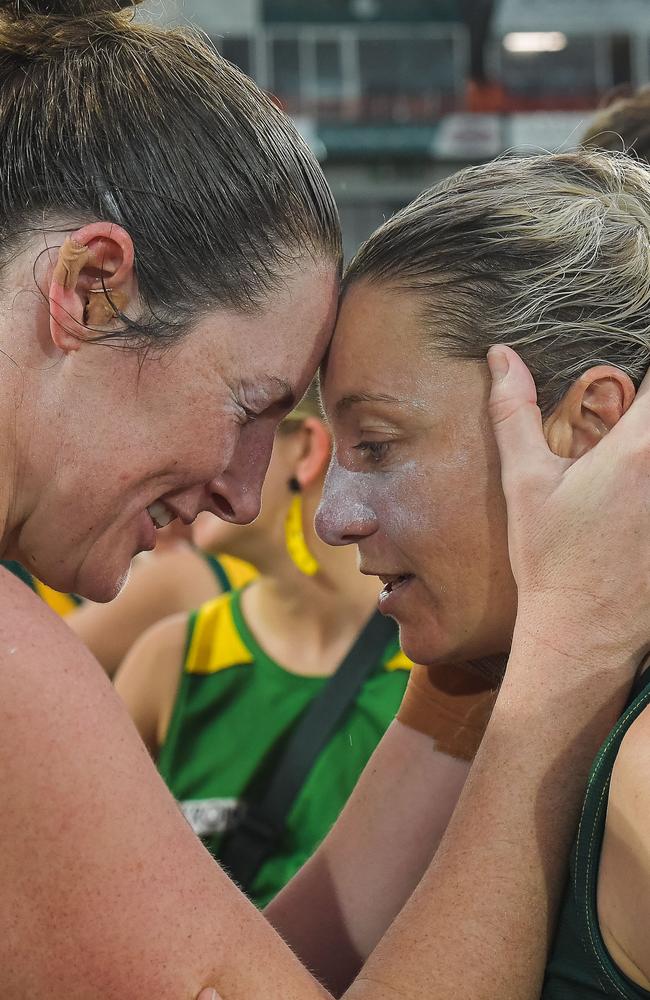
<point>515,416</point>
<point>208,994</point>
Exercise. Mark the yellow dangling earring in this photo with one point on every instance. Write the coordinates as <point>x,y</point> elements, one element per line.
<point>295,535</point>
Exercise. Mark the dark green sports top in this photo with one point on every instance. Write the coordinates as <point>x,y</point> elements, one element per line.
<point>234,710</point>
<point>19,571</point>
<point>580,967</point>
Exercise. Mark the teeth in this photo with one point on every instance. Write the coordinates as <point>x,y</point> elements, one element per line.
<point>160,514</point>
<point>395,581</point>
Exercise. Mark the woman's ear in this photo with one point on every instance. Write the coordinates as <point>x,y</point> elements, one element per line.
<point>315,453</point>
<point>587,412</point>
<point>90,283</point>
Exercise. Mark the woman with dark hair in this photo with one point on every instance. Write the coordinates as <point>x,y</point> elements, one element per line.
<point>169,279</point>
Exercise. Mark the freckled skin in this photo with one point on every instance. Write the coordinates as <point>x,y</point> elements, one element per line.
<point>431,504</point>
<point>107,433</point>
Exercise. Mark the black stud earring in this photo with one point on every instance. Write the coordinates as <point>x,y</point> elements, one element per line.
<point>294,485</point>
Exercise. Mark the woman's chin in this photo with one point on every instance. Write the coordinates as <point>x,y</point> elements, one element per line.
<point>100,584</point>
<point>423,645</point>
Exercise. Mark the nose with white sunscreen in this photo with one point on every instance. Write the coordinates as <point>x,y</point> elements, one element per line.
<point>344,513</point>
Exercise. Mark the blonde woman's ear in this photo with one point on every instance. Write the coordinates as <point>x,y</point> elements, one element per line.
<point>594,404</point>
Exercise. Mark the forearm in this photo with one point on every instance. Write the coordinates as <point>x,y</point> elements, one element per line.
<point>339,905</point>
<point>479,923</point>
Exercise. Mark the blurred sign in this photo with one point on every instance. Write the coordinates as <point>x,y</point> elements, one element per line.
<point>575,17</point>
<point>465,136</point>
<point>217,17</point>
<point>545,131</point>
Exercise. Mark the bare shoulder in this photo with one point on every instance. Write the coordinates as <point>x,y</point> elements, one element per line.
<point>148,680</point>
<point>624,874</point>
<point>187,574</point>
<point>163,642</point>
<point>123,901</point>
<point>24,617</point>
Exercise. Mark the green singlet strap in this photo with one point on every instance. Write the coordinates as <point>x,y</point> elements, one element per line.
<point>591,832</point>
<point>219,572</point>
<point>20,572</point>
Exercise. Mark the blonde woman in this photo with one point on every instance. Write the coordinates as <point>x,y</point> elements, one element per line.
<point>550,255</point>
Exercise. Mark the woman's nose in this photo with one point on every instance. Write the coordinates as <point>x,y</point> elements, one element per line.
<point>237,492</point>
<point>344,515</point>
<point>235,501</point>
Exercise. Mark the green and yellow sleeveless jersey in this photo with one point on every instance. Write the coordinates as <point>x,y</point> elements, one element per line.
<point>231,573</point>
<point>63,604</point>
<point>580,967</point>
<point>234,710</point>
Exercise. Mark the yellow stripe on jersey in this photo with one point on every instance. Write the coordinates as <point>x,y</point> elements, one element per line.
<point>63,604</point>
<point>238,572</point>
<point>399,662</point>
<point>215,644</point>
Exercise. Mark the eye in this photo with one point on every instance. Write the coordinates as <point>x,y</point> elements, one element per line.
<point>244,414</point>
<point>374,451</point>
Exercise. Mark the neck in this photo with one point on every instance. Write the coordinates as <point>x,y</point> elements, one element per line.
<point>10,502</point>
<point>307,624</point>
<point>29,406</point>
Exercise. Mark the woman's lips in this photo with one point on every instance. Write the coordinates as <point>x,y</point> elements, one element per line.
<point>147,532</point>
<point>393,593</point>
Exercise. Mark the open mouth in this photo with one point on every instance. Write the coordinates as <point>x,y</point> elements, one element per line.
<point>160,514</point>
<point>393,583</point>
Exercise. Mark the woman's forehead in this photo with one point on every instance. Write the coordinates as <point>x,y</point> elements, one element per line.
<point>378,346</point>
<point>383,353</point>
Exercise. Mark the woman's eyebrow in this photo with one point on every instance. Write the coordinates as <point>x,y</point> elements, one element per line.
<point>345,403</point>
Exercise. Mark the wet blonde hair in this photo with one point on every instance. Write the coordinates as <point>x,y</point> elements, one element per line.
<point>549,254</point>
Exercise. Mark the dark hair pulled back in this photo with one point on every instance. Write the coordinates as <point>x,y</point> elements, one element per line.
<point>102,117</point>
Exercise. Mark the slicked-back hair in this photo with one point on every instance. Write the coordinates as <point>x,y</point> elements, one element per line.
<point>549,254</point>
<point>104,118</point>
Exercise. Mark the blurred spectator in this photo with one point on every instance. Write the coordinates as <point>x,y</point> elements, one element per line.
<point>177,579</point>
<point>218,695</point>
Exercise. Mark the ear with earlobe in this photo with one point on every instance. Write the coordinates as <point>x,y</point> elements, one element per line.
<point>315,453</point>
<point>589,409</point>
<point>92,281</point>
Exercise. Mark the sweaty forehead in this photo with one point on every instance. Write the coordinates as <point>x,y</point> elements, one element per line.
<point>378,346</point>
